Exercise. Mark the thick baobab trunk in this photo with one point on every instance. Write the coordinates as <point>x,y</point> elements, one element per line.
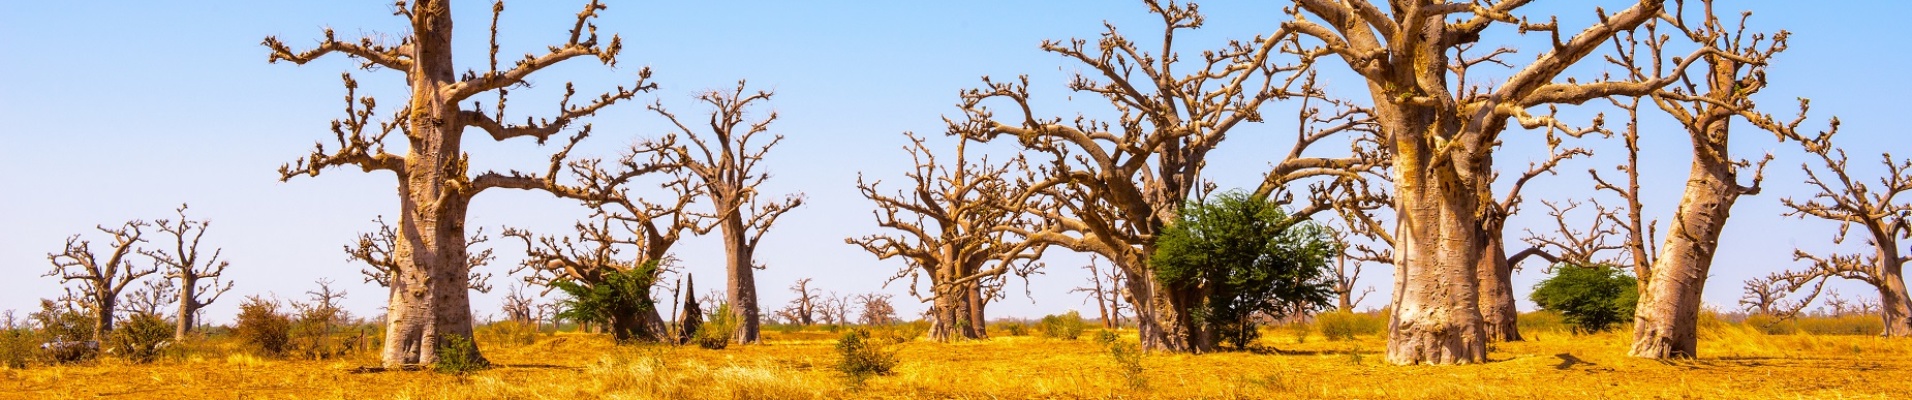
<point>952,316</point>
<point>103,317</point>
<point>1436,318</point>
<point>188,296</point>
<point>1893,302</point>
<point>431,300</point>
<point>1664,322</point>
<point>1497,291</point>
<point>743,281</point>
<point>1163,317</point>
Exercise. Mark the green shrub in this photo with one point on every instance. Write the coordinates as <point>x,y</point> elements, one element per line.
<point>1246,258</point>
<point>861,357</point>
<point>17,347</point>
<point>1345,325</point>
<point>718,326</point>
<point>139,336</point>
<point>1066,326</point>
<point>261,328</point>
<point>1127,357</point>
<point>457,355</point>
<point>62,321</point>
<point>1591,298</point>
<point>615,301</point>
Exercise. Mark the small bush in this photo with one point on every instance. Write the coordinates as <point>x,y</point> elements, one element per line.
<point>457,355</point>
<point>1127,357</point>
<point>1067,326</point>
<point>862,357</point>
<point>1592,298</point>
<point>140,338</point>
<point>1009,328</point>
<point>262,328</point>
<point>718,325</point>
<point>1345,325</point>
<point>17,348</point>
<point>62,322</point>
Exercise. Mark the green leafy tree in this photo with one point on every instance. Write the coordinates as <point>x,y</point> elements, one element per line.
<point>1240,255</point>
<point>1592,297</point>
<point>615,301</point>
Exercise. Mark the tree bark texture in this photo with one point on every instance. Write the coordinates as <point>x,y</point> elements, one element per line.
<point>1664,323</point>
<point>742,284</point>
<point>1497,307</point>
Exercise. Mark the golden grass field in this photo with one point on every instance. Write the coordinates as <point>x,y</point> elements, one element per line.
<point>1735,362</point>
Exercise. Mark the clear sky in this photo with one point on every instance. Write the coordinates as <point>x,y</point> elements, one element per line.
<point>122,110</point>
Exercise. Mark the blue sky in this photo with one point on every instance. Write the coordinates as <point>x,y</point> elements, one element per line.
<point>124,109</point>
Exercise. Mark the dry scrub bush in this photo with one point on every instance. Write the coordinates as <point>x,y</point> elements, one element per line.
<point>261,328</point>
<point>862,357</point>
<point>1066,326</point>
<point>716,331</point>
<point>16,348</point>
<point>139,338</point>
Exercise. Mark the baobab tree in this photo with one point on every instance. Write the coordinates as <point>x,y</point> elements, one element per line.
<point>803,309</point>
<point>1732,68</point>
<point>183,264</point>
<point>1850,201</point>
<point>1109,187</point>
<point>952,228</point>
<point>431,290</point>
<point>1441,127</point>
<point>101,276</point>
<point>723,167</point>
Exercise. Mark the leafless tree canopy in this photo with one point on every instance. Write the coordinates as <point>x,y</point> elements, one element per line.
<point>953,226</point>
<point>101,276</point>
<point>1879,213</point>
<point>183,264</point>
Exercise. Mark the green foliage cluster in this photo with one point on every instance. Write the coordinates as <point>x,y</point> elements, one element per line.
<point>614,300</point>
<point>138,337</point>
<point>862,358</point>
<point>1243,256</point>
<point>17,347</point>
<point>1345,325</point>
<point>458,355</point>
<point>1127,357</point>
<point>262,328</point>
<point>1591,298</point>
<point>1065,326</point>
<point>717,328</point>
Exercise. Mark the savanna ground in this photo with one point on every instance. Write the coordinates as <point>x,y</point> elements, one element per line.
<point>1737,361</point>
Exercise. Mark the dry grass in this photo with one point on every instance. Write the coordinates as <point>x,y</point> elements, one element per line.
<point>1738,363</point>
